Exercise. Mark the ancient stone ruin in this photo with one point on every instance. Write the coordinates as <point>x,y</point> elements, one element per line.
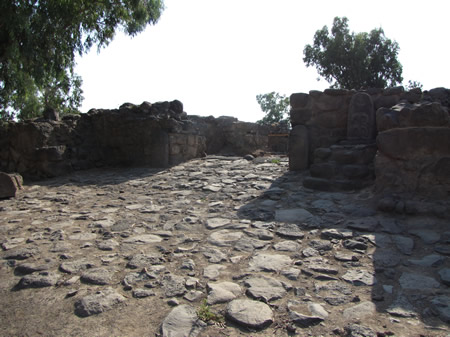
<point>399,140</point>
<point>153,135</point>
<point>395,139</point>
<point>177,243</point>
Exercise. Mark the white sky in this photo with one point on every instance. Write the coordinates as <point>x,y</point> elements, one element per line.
<point>216,55</point>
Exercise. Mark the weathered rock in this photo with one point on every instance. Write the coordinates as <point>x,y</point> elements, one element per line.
<point>143,239</point>
<point>10,184</point>
<point>29,268</point>
<point>363,224</point>
<point>212,272</point>
<point>38,280</point>
<point>315,313</point>
<point>214,223</point>
<point>445,276</point>
<point>97,303</point>
<point>173,285</point>
<point>404,115</point>
<point>73,267</point>
<point>20,253</point>
<point>182,321</point>
<point>417,281</point>
<point>265,288</point>
<point>360,311</point>
<point>287,246</point>
<point>292,231</point>
<point>432,260</point>
<point>224,238</point>
<point>401,307</point>
<point>356,330</point>
<point>144,260</point>
<point>359,277</point>
<point>142,293</point>
<point>440,305</point>
<point>99,276</point>
<point>250,314</point>
<point>214,255</point>
<point>296,215</point>
<point>404,244</point>
<point>270,262</point>
<point>222,292</point>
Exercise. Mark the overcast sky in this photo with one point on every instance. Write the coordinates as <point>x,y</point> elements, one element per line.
<point>216,55</point>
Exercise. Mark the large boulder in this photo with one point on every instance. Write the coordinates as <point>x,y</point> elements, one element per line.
<point>10,184</point>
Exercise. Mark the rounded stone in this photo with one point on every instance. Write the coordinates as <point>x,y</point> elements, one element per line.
<point>250,314</point>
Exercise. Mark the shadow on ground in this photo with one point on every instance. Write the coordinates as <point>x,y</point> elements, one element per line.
<point>391,264</point>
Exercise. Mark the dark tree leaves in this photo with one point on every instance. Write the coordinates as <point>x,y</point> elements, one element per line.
<point>276,108</point>
<point>353,61</point>
<point>40,39</point>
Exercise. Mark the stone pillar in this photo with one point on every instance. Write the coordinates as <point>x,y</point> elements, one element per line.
<point>361,118</point>
<point>298,148</point>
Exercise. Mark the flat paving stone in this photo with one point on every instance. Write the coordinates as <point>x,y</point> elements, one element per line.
<point>249,313</point>
<point>182,321</point>
<point>97,303</point>
<point>265,288</point>
<point>38,280</point>
<point>417,281</point>
<point>360,278</point>
<point>270,262</point>
<point>359,311</point>
<point>223,292</point>
<point>296,215</point>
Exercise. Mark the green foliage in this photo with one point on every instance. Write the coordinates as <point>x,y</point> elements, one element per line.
<point>275,106</point>
<point>413,85</point>
<point>40,39</point>
<point>275,161</point>
<point>353,61</point>
<point>205,314</point>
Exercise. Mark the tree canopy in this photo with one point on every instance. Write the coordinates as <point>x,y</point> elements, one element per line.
<point>275,106</point>
<point>352,61</point>
<point>39,41</point>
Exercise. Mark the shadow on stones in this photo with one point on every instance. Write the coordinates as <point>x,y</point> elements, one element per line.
<point>402,259</point>
<point>102,176</point>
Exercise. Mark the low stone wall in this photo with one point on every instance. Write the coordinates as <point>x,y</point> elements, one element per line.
<point>148,135</point>
<point>229,136</point>
<point>154,135</point>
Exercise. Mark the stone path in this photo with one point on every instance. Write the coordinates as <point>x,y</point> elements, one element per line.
<point>218,246</point>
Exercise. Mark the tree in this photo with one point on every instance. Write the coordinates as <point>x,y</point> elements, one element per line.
<point>39,40</point>
<point>353,61</point>
<point>275,106</point>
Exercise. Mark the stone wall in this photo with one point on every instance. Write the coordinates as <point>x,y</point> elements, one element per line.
<point>147,135</point>
<point>408,130</point>
<point>320,119</point>
<point>154,135</point>
<point>229,136</point>
<point>413,149</point>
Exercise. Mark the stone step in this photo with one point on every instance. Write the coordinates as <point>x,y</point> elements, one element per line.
<point>331,170</point>
<point>346,154</point>
<point>335,185</point>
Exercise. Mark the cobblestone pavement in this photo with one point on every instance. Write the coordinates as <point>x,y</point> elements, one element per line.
<point>218,246</point>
